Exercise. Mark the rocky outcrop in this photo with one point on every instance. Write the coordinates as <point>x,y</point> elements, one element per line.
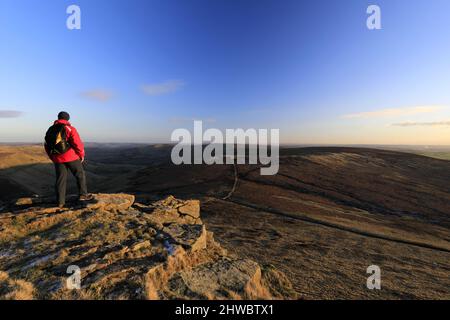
<point>123,250</point>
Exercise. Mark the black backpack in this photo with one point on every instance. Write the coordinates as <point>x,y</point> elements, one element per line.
<point>56,139</point>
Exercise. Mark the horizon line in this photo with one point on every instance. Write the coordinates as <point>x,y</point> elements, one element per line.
<point>281,144</point>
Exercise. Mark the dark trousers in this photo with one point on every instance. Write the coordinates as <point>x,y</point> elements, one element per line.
<point>76,167</point>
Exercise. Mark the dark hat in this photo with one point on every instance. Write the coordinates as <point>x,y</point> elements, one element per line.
<point>63,116</point>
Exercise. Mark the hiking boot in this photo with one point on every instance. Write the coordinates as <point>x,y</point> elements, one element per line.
<point>86,197</point>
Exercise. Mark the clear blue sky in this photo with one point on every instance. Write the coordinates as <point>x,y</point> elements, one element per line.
<point>139,69</point>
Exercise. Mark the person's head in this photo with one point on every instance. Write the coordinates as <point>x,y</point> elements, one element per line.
<point>63,116</point>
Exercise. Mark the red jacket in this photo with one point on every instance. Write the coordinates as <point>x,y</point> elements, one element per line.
<point>77,147</point>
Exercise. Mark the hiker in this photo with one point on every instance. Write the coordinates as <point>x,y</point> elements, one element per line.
<point>65,148</point>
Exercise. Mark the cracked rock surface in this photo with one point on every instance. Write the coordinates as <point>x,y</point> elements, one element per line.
<point>124,250</point>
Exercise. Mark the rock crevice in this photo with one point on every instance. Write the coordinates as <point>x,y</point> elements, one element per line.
<point>124,250</point>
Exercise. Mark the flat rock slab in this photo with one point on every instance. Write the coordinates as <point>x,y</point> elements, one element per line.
<point>172,210</point>
<point>192,236</point>
<point>222,279</point>
<point>111,201</point>
<point>190,208</point>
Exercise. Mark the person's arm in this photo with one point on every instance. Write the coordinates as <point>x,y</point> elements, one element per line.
<point>46,149</point>
<point>76,143</point>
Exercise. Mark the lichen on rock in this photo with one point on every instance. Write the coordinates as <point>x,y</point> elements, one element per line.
<point>124,250</point>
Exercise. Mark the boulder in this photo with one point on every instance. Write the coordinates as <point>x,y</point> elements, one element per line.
<point>224,278</point>
<point>190,236</point>
<point>190,208</point>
